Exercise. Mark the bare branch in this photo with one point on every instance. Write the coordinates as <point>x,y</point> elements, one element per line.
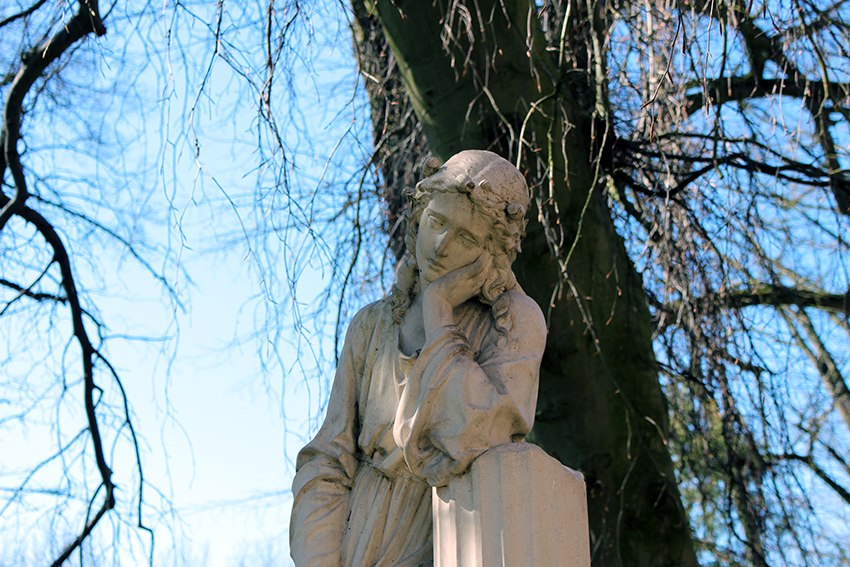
<point>820,356</point>
<point>721,90</point>
<point>89,353</point>
<point>27,292</point>
<point>777,296</point>
<point>819,472</point>
<point>22,14</point>
<point>35,62</point>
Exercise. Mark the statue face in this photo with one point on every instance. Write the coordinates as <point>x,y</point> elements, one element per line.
<point>451,235</point>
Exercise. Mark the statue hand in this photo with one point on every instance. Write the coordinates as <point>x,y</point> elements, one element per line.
<point>449,291</point>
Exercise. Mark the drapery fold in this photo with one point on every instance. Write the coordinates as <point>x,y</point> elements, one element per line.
<point>397,425</point>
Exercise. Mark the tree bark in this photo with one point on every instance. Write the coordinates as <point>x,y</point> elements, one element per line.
<point>481,78</point>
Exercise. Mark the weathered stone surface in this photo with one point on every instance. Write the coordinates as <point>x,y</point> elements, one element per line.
<point>515,507</point>
<point>430,378</point>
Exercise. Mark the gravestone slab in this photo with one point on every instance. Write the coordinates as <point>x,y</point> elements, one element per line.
<point>515,507</point>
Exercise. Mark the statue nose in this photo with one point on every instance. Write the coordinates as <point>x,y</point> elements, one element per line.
<point>441,243</point>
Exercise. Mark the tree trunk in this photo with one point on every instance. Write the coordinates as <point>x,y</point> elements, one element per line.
<point>483,79</point>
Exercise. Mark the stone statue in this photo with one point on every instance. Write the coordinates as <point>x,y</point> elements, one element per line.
<point>429,378</point>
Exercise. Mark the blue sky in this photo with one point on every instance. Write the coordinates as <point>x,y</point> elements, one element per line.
<point>226,376</point>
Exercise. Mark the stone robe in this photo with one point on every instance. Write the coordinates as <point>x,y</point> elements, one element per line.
<point>397,425</point>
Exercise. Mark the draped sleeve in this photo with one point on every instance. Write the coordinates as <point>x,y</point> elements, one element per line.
<point>457,403</point>
<point>325,468</point>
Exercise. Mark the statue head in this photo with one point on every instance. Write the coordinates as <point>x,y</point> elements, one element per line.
<point>497,192</point>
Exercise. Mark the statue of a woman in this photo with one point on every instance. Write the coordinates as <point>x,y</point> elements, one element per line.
<point>429,378</point>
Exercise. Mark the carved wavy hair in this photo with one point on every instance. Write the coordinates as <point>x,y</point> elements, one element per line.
<point>506,231</point>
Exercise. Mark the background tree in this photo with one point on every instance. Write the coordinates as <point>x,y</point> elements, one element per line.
<point>697,140</point>
<point>689,168</point>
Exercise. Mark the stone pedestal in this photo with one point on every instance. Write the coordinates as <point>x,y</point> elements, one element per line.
<point>515,507</point>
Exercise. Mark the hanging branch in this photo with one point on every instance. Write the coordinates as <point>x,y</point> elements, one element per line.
<point>823,360</point>
<point>34,63</point>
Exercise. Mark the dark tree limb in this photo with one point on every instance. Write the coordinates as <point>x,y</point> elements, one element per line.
<point>632,154</point>
<point>35,62</point>
<point>22,14</point>
<point>777,295</point>
<point>819,472</point>
<point>721,90</point>
<point>88,355</point>
<point>28,292</point>
<point>759,295</point>
<point>787,170</point>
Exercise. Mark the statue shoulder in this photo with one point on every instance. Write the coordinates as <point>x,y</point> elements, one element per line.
<point>526,316</point>
<point>368,317</point>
